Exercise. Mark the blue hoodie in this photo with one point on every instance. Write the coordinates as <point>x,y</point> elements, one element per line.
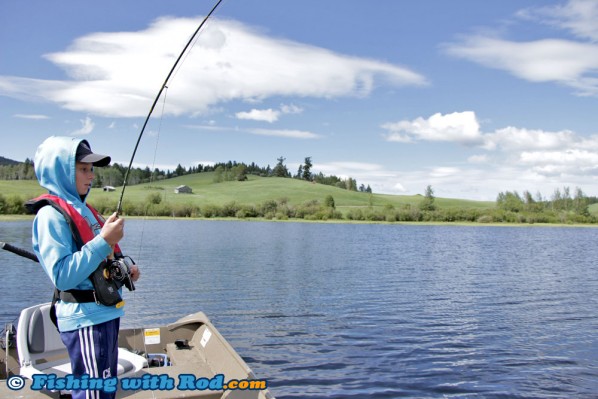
<point>53,242</point>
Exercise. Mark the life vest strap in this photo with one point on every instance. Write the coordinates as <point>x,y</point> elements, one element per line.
<point>78,296</point>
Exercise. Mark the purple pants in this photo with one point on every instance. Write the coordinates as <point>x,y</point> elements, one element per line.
<point>93,351</point>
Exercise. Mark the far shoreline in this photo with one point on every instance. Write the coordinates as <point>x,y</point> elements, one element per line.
<point>19,218</point>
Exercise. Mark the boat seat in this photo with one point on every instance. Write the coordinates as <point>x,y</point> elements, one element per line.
<point>41,350</point>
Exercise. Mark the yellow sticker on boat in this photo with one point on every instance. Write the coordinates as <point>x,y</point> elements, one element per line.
<point>151,336</point>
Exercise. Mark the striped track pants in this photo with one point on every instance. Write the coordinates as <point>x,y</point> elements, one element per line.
<point>93,351</point>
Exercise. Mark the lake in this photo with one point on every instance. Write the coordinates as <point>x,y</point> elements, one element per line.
<point>367,310</point>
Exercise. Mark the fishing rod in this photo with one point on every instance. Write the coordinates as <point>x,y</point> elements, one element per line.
<point>164,85</point>
<point>29,255</point>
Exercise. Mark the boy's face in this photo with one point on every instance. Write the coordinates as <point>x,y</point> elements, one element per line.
<point>83,177</point>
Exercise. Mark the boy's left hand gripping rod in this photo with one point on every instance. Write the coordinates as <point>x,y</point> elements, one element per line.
<point>19,251</point>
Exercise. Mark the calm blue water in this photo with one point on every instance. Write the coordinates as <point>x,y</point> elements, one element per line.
<point>376,311</point>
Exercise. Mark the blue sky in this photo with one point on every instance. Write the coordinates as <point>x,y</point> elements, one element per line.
<point>471,97</point>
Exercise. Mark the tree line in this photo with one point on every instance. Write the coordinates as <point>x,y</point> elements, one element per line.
<point>426,210</point>
<point>563,206</point>
<point>114,175</point>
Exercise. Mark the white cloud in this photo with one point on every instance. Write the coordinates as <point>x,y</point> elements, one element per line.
<point>86,128</point>
<point>118,74</point>
<point>31,116</point>
<point>461,127</point>
<point>285,133</point>
<point>398,187</point>
<point>378,177</point>
<point>266,115</point>
<point>521,158</point>
<point>577,16</point>
<point>567,62</point>
<point>444,171</point>
<point>269,115</point>
<point>288,133</point>
<point>346,168</point>
<point>573,161</point>
<point>290,109</point>
<point>512,138</point>
<point>532,172</point>
<point>478,158</point>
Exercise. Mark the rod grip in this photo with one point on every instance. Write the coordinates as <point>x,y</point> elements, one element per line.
<point>18,251</point>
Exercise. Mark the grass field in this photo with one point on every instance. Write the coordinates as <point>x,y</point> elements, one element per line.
<point>254,191</point>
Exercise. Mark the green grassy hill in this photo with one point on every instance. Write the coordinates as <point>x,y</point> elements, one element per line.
<point>259,189</point>
<point>274,197</point>
<point>254,191</point>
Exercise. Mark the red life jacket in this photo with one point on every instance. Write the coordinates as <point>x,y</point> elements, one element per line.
<point>106,290</point>
<point>82,232</point>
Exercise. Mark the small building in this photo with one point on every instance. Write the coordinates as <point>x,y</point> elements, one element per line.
<point>183,190</point>
<point>108,188</point>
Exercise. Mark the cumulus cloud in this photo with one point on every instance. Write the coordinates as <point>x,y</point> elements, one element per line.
<point>461,127</point>
<point>569,161</point>
<point>269,115</point>
<point>536,154</point>
<point>513,138</point>
<point>464,128</point>
<point>119,73</point>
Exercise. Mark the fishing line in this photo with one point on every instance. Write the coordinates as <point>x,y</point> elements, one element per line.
<point>151,180</point>
<point>164,85</point>
<point>134,302</point>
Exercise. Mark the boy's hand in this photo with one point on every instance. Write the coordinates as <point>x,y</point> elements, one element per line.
<point>135,272</point>
<point>113,229</point>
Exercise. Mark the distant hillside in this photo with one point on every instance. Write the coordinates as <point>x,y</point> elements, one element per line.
<point>285,198</point>
<point>6,161</point>
<point>254,191</point>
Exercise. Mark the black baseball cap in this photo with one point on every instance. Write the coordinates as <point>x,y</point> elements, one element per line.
<point>84,154</point>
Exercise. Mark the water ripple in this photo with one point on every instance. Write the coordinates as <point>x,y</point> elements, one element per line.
<point>376,311</point>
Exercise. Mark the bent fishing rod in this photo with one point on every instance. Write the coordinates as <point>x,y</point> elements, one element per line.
<point>29,255</point>
<point>164,86</point>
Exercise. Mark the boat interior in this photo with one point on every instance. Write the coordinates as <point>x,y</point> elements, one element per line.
<point>190,346</point>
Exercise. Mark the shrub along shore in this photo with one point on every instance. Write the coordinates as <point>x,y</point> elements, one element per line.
<point>316,210</point>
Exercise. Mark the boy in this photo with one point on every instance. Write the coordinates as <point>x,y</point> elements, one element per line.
<point>89,329</point>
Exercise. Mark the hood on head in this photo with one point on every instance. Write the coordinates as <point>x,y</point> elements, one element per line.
<point>54,164</point>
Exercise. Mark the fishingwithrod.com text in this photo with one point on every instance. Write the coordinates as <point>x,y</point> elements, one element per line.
<point>162,382</point>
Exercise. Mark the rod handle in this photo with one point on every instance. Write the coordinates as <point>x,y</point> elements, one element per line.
<point>18,251</point>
